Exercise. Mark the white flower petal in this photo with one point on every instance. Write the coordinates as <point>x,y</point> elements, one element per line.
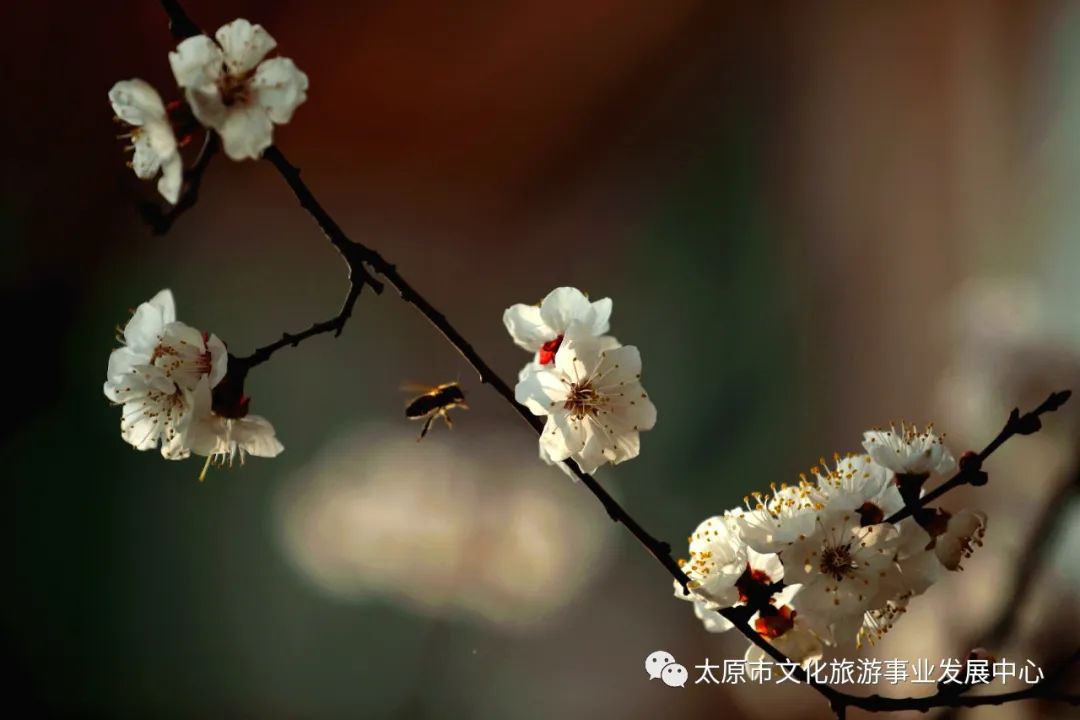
<point>963,534</point>
<point>149,321</point>
<point>246,132</point>
<point>182,354</point>
<point>563,306</point>
<point>197,63</point>
<point>563,468</point>
<point>136,102</point>
<point>576,361</point>
<point>800,645</point>
<point>712,620</point>
<point>597,449</point>
<point>123,361</point>
<point>208,106</point>
<point>601,317</point>
<point>909,450</point>
<point>166,303</point>
<point>219,359</point>
<point>540,390</point>
<point>768,563</point>
<point>154,412</point>
<point>145,161</point>
<point>172,178</point>
<point>244,45</point>
<point>620,442</point>
<point>557,437</point>
<point>280,87</point>
<point>256,436</point>
<point>526,327</point>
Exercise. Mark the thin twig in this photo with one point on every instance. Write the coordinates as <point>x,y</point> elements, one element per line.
<point>359,257</point>
<point>180,25</point>
<point>335,325</point>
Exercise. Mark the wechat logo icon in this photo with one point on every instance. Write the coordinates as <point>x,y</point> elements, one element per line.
<point>661,665</point>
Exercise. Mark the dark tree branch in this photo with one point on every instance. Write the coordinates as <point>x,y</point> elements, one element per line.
<point>335,325</point>
<point>161,221</point>
<point>180,25</point>
<point>360,257</point>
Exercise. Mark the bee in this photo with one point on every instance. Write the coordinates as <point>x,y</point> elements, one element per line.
<point>433,403</point>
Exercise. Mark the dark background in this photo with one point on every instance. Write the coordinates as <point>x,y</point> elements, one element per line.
<point>813,218</point>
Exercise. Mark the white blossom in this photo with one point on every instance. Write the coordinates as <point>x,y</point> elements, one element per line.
<point>594,403</point>
<point>223,440</point>
<point>854,481</point>
<point>233,89</point>
<point>877,622</point>
<point>847,574</point>
<point>963,533</point>
<point>753,585</point>
<point>919,566</point>
<point>845,568</point>
<point>777,622</point>
<point>718,558</point>
<point>908,450</point>
<point>155,411</point>
<point>154,375</point>
<point>137,104</point>
<point>143,330</point>
<point>565,312</point>
<point>771,522</point>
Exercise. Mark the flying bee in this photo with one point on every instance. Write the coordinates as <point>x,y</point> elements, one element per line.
<point>435,402</point>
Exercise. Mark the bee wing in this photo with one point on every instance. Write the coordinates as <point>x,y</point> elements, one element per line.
<point>417,388</point>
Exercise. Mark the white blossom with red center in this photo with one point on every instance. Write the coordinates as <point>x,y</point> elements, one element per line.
<point>717,581</point>
<point>724,572</point>
<point>153,141</point>
<point>823,565</point>
<point>234,90</point>
<point>565,312</point>
<point>594,403</point>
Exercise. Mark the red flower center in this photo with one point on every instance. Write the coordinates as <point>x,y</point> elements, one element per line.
<point>774,622</point>
<point>755,587</point>
<point>546,356</point>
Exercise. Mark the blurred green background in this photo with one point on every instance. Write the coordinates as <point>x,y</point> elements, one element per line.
<point>813,218</point>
